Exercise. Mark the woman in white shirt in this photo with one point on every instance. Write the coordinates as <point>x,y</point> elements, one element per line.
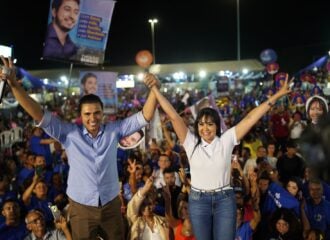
<point>212,204</point>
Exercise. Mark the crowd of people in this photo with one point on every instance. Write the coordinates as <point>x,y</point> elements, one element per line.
<point>249,180</point>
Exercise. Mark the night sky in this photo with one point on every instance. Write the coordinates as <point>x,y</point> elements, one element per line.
<point>188,31</point>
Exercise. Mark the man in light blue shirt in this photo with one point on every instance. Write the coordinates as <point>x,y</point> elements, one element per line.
<point>93,186</point>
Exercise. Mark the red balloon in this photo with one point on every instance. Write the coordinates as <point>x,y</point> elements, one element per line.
<point>144,58</point>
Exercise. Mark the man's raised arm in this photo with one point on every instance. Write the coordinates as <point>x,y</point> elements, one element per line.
<point>8,74</point>
<point>150,105</point>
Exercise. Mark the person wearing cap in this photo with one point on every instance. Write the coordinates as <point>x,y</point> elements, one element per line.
<point>58,44</point>
<point>316,108</point>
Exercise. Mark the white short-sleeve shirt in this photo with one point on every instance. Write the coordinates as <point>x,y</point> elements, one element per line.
<point>151,234</point>
<point>210,164</point>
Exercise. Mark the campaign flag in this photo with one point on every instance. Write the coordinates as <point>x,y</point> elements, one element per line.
<point>214,106</point>
<point>279,197</point>
<point>202,103</point>
<point>78,31</point>
<point>103,84</point>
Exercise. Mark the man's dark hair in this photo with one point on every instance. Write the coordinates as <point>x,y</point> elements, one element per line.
<point>57,3</point>
<point>259,160</point>
<point>291,144</point>
<point>141,133</point>
<point>9,200</point>
<point>29,152</point>
<point>315,181</point>
<point>169,170</point>
<point>263,176</point>
<point>89,98</point>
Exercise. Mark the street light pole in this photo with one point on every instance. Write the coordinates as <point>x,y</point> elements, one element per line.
<point>152,24</point>
<point>238,32</point>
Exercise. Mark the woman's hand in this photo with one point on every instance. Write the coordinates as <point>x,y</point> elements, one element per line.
<point>285,89</point>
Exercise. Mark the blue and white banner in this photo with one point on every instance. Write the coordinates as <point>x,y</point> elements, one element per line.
<point>78,30</point>
<point>103,84</point>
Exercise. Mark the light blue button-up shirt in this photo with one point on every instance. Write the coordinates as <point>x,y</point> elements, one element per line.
<point>93,171</point>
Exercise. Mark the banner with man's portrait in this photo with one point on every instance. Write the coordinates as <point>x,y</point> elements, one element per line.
<point>78,30</point>
<point>103,84</point>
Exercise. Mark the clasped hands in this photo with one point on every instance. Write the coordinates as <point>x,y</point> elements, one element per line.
<point>151,81</point>
<point>7,69</point>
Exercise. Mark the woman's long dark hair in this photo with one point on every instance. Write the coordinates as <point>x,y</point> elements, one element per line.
<point>210,114</point>
<point>295,228</point>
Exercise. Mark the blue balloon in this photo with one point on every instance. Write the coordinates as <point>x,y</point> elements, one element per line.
<point>268,56</point>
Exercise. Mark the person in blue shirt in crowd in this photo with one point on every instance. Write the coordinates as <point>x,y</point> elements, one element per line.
<point>93,187</point>
<point>26,173</point>
<point>39,144</point>
<point>245,229</point>
<point>279,197</point>
<point>62,167</point>
<point>58,44</point>
<point>310,173</point>
<point>57,190</point>
<point>317,208</point>
<point>36,197</point>
<point>13,228</point>
<point>5,192</point>
<point>42,171</point>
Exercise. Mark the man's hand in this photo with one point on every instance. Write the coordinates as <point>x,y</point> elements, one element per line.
<point>151,80</point>
<point>8,72</point>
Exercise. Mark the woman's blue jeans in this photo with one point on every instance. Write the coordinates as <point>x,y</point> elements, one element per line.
<point>213,215</point>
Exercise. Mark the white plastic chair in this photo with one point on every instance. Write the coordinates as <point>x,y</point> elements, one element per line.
<point>17,134</point>
<point>6,139</point>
